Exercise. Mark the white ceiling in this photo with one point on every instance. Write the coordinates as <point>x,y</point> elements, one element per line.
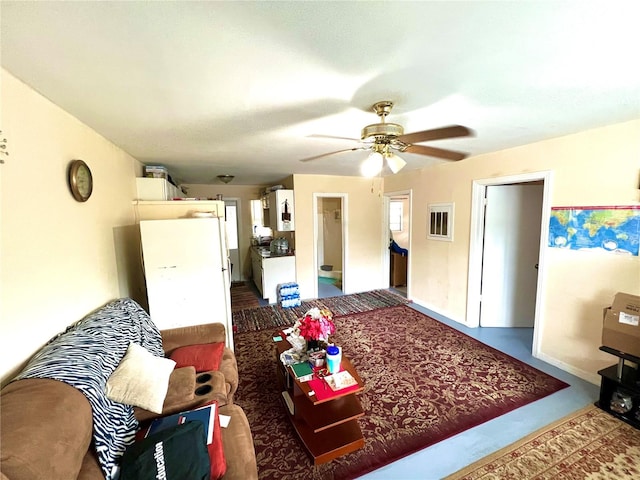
<point>209,88</point>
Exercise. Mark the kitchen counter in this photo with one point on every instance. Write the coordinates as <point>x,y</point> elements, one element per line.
<point>270,270</point>
<point>264,252</point>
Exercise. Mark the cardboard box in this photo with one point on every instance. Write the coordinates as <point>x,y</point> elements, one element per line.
<point>156,171</point>
<point>621,324</point>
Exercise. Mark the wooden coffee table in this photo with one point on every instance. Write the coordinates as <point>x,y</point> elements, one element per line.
<point>328,427</point>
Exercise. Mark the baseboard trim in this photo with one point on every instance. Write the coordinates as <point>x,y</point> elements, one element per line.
<point>438,312</point>
<point>584,375</point>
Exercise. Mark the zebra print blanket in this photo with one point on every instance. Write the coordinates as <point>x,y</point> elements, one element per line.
<point>85,356</point>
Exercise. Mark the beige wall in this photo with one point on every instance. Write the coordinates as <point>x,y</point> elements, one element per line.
<point>362,215</point>
<point>596,167</point>
<point>58,256</point>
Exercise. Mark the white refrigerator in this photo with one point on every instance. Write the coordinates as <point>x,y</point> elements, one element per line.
<point>186,267</point>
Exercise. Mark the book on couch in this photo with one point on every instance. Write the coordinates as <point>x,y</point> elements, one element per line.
<point>205,414</point>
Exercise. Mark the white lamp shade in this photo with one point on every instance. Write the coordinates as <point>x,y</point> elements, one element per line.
<point>372,165</point>
<point>395,163</point>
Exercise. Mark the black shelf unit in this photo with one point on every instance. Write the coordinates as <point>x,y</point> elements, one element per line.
<point>624,379</point>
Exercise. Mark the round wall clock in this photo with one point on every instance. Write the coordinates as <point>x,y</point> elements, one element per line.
<point>80,180</point>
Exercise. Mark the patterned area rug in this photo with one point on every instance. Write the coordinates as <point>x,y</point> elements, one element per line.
<point>243,297</point>
<point>274,316</point>
<point>425,382</point>
<point>589,444</point>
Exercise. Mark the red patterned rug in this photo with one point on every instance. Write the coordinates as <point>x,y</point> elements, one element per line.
<point>425,382</point>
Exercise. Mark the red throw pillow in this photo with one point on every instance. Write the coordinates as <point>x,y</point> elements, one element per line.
<point>203,357</point>
<point>216,451</point>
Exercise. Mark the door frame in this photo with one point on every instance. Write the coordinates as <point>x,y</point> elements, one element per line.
<point>344,205</point>
<point>240,230</point>
<point>474,282</point>
<point>386,253</point>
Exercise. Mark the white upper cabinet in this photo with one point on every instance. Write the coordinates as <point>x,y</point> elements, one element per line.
<point>157,189</point>
<point>281,211</point>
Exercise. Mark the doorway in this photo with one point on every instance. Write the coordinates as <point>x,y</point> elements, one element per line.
<point>510,255</point>
<point>231,211</point>
<point>497,243</point>
<point>397,227</point>
<point>330,252</point>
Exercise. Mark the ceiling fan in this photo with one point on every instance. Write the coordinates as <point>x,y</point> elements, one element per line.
<point>384,139</point>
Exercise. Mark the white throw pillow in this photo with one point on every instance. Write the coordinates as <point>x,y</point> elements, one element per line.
<point>141,379</point>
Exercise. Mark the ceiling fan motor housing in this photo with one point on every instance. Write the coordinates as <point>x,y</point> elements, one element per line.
<point>382,130</point>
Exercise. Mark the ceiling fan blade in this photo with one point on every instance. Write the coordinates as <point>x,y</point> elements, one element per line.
<point>451,131</point>
<point>436,152</point>
<point>334,138</point>
<point>308,159</point>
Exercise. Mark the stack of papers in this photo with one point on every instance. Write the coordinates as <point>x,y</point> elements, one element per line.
<point>340,380</point>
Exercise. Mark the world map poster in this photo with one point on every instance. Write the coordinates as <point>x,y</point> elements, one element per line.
<point>607,229</point>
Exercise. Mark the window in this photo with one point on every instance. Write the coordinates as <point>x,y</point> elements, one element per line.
<point>440,222</point>
<point>257,220</point>
<point>256,213</point>
<point>395,216</point>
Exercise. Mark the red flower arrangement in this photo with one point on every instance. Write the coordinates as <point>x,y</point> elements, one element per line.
<point>316,325</point>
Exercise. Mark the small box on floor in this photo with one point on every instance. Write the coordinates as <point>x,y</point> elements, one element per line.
<point>289,295</point>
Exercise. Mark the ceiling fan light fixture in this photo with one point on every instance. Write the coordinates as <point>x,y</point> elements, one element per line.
<point>395,163</point>
<point>225,178</point>
<point>384,137</point>
<point>372,166</point>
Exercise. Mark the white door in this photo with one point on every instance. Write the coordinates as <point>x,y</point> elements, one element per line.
<point>186,271</point>
<point>231,217</point>
<point>510,255</point>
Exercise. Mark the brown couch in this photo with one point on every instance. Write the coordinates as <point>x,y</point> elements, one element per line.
<point>46,425</point>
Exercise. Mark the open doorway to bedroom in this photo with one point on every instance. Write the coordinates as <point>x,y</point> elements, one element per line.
<point>509,228</point>
<point>397,243</point>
